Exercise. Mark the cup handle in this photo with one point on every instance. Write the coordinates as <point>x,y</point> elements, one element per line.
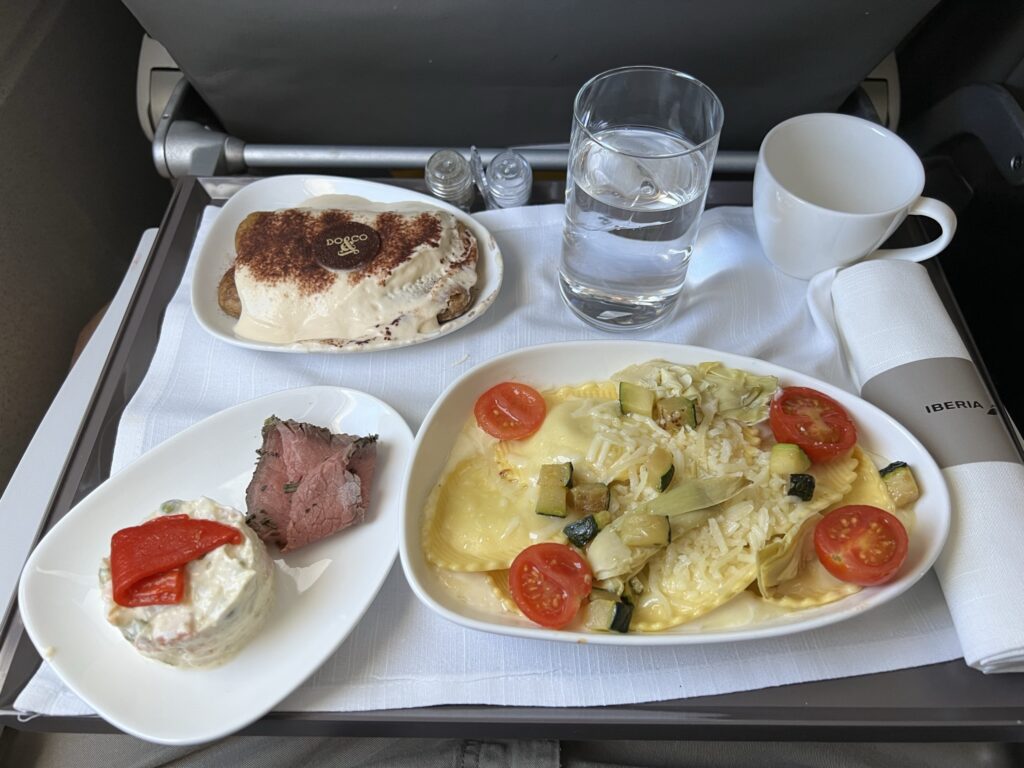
<point>933,209</point>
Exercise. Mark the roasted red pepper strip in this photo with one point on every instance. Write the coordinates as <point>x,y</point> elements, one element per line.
<point>163,589</point>
<point>158,548</point>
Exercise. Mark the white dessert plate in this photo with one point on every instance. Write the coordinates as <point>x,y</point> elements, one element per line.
<point>218,254</point>
<point>321,591</point>
<point>554,365</point>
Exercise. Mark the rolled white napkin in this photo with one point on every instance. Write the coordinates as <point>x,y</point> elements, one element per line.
<point>909,359</point>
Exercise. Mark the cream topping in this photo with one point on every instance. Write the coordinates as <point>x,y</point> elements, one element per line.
<point>399,305</point>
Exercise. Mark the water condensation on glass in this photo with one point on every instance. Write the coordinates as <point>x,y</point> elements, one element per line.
<point>633,206</point>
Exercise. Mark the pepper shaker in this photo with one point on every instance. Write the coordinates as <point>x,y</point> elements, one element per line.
<point>509,179</point>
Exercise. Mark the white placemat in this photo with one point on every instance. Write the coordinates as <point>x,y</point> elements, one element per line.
<point>401,654</point>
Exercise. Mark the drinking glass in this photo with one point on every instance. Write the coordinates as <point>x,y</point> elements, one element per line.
<point>643,143</point>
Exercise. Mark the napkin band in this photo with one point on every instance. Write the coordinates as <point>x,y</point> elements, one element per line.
<point>944,403</point>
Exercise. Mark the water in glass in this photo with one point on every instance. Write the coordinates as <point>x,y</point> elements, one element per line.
<point>631,220</point>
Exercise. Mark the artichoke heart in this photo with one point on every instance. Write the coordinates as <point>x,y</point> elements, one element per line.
<point>695,494</point>
<point>736,394</point>
<point>622,548</point>
<point>790,574</point>
<point>780,560</point>
<point>741,396</point>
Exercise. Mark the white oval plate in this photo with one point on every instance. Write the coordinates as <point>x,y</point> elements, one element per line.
<point>554,365</point>
<point>321,591</point>
<point>271,194</point>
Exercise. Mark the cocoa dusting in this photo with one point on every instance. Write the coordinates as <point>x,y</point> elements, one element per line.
<point>277,247</point>
<point>399,237</point>
<point>283,246</point>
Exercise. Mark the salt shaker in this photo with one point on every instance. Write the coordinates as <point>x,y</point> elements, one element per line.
<point>509,179</point>
<point>449,178</point>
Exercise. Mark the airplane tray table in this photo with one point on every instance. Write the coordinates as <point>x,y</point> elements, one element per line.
<point>941,702</point>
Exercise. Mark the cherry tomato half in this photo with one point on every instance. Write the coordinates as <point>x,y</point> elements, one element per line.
<point>548,582</point>
<point>812,420</point>
<point>510,411</point>
<point>861,544</point>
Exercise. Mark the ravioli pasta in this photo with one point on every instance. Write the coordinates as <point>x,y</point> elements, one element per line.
<point>710,565</point>
<point>479,521</point>
<point>483,513</point>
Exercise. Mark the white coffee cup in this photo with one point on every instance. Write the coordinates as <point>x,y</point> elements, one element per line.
<point>829,189</point>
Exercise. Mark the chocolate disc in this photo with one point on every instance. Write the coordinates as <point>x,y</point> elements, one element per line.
<point>346,245</point>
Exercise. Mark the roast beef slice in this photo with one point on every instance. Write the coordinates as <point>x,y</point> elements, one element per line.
<point>308,483</point>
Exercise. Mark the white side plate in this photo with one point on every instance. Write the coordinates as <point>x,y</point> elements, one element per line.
<point>321,591</point>
<point>554,365</point>
<point>271,194</point>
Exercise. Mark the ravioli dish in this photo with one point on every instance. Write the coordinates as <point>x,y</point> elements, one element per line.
<point>189,586</point>
<point>667,495</point>
<point>347,272</point>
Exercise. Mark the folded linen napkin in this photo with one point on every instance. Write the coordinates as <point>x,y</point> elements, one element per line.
<point>910,361</point>
<point>403,655</point>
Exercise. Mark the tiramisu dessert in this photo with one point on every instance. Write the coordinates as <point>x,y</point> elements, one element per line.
<point>347,272</point>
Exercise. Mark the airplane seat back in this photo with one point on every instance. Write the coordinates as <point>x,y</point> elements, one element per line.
<point>456,72</point>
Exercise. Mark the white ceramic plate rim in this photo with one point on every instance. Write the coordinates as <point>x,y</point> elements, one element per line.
<point>309,646</point>
<point>218,252</point>
<point>522,365</point>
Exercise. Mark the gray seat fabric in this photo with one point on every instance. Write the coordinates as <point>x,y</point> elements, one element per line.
<point>455,72</point>
<point>122,751</point>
